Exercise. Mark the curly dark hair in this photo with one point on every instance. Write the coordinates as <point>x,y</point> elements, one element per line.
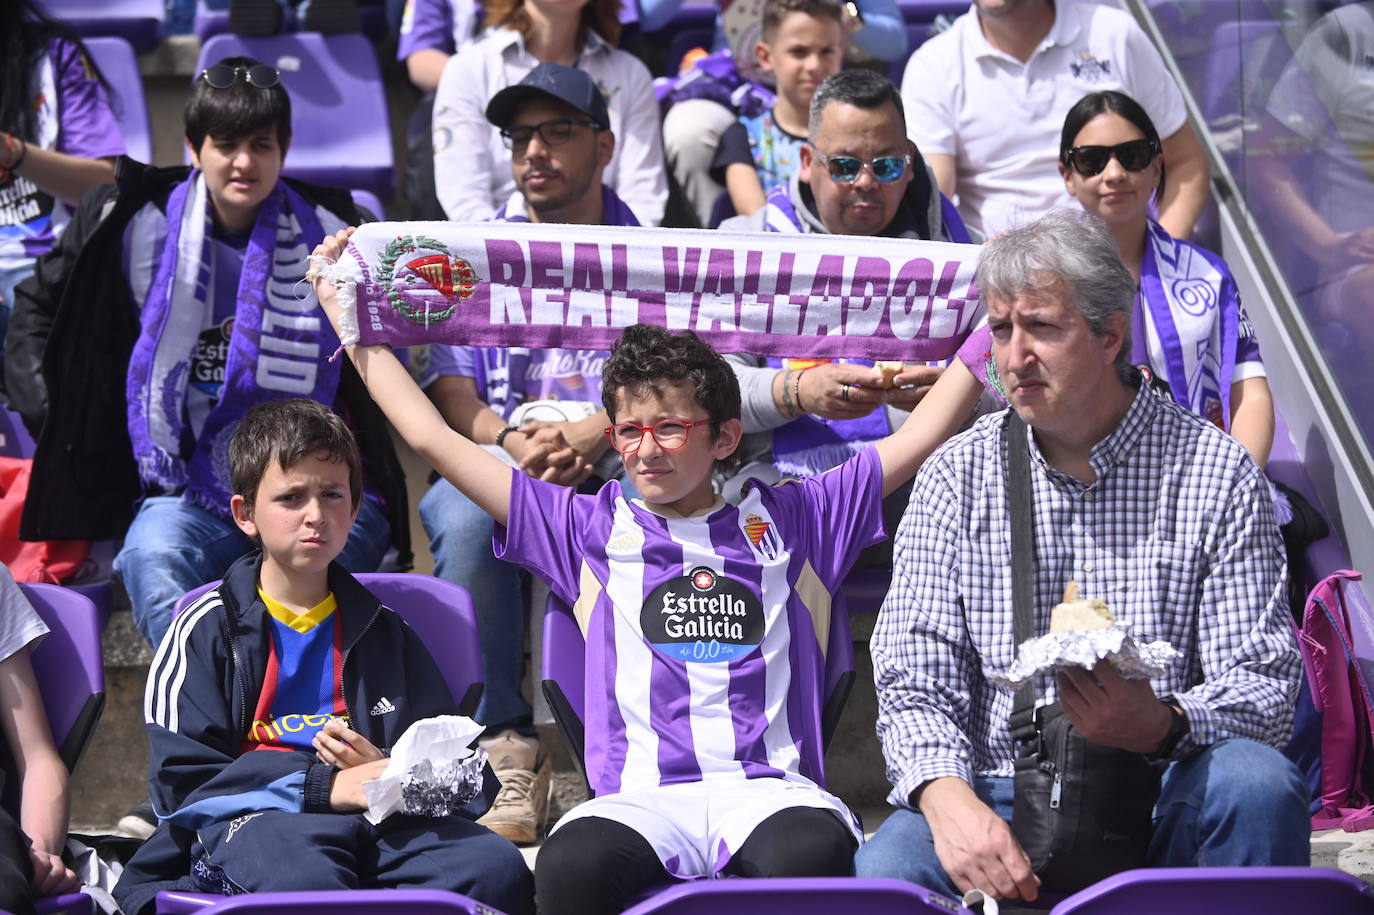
<point>646,356</point>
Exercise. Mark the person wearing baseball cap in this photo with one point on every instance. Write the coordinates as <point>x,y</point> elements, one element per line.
<point>541,411</point>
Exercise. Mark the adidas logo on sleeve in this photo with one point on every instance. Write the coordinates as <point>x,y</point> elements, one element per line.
<point>383,707</point>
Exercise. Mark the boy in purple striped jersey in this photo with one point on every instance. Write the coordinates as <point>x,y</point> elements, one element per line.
<point>705,622</point>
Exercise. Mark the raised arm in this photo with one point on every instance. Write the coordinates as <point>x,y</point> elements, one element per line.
<point>938,416</point>
<point>481,477</point>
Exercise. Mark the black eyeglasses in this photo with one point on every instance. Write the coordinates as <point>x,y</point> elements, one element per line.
<point>846,169</point>
<point>259,76</point>
<point>554,132</point>
<point>1091,160</point>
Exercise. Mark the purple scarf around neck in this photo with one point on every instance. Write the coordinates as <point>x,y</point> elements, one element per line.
<point>276,351</point>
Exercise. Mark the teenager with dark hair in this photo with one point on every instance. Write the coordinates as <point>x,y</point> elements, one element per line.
<point>120,356</point>
<point>58,137</point>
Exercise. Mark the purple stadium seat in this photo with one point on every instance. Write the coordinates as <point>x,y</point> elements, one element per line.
<point>691,27</point>
<point>564,674</point>
<point>115,58</point>
<point>213,19</point>
<point>138,22</point>
<point>1199,890</point>
<point>69,666</point>
<point>66,904</point>
<point>926,11</point>
<point>798,896</point>
<point>326,902</point>
<point>369,201</point>
<point>341,131</point>
<point>439,611</point>
<point>15,440</point>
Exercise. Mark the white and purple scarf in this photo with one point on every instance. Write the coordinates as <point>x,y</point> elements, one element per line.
<point>1194,310</point>
<point>277,349</point>
<point>577,287</point>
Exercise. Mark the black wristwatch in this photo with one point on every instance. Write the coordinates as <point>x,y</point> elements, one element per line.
<point>501,436</point>
<point>1178,727</point>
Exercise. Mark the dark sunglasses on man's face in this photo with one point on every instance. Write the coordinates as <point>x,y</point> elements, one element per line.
<point>259,76</point>
<point>1091,160</point>
<point>553,132</point>
<point>846,169</point>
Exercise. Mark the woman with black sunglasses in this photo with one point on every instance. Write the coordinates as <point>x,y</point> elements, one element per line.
<point>1189,328</point>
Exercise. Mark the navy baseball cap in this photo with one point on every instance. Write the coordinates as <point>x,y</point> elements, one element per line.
<point>565,84</point>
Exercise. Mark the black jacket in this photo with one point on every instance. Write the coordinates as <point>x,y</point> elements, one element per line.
<point>67,354</point>
<point>202,689</point>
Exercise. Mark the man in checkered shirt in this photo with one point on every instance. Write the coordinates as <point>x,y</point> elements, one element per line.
<point>1149,508</point>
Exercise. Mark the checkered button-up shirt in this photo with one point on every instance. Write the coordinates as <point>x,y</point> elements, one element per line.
<point>1176,535</point>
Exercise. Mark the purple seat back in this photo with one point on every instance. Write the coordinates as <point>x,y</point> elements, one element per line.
<point>341,131</point>
<point>326,902</point>
<point>115,58</point>
<point>15,440</point>
<point>66,904</point>
<point>925,11</point>
<point>798,896</point>
<point>69,666</point>
<point>138,22</point>
<point>368,200</point>
<point>442,616</point>
<point>1205,890</point>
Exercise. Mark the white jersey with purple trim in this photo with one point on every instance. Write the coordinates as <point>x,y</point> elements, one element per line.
<point>706,634</point>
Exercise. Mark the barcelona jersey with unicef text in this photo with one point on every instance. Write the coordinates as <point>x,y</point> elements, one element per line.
<point>706,634</point>
<point>302,687</point>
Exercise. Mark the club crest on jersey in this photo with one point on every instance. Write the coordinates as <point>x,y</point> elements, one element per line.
<point>760,534</point>
<point>1090,69</point>
<point>703,616</point>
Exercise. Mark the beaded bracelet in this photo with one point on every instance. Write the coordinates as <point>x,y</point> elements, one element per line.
<point>788,409</point>
<point>796,390</point>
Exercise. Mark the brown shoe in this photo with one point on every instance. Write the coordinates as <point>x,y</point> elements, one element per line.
<point>522,804</point>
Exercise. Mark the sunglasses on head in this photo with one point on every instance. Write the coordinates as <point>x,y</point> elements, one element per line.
<point>846,169</point>
<point>259,76</point>
<point>1091,160</point>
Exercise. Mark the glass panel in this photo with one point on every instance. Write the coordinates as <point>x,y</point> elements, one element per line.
<point>1287,90</point>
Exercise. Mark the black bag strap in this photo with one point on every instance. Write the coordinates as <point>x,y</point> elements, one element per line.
<point>1021,507</point>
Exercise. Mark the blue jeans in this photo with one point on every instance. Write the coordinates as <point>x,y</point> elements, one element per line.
<point>173,547</point>
<point>460,539</point>
<point>9,278</point>
<point>1232,804</point>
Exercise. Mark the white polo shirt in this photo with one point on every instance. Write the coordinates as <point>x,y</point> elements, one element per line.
<point>1001,118</point>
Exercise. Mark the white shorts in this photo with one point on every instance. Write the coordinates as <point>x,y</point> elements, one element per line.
<point>695,828</point>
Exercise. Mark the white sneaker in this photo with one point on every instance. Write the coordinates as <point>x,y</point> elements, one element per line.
<point>522,804</point>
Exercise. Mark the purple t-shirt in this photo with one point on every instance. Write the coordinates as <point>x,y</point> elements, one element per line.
<point>705,635</point>
<point>78,122</point>
<point>443,25</point>
<point>507,378</point>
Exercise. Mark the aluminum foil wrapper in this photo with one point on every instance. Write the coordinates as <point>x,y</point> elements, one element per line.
<point>433,770</point>
<point>1084,648</point>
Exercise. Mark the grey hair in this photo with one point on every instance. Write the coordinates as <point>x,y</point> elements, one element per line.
<point>860,88</point>
<point>1069,248</point>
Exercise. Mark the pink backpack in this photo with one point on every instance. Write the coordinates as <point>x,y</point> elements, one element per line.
<point>1339,683</point>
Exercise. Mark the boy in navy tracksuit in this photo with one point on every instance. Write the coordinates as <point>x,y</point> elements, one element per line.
<point>274,697</point>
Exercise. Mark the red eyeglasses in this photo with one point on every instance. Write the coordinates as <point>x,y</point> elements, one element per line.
<point>671,434</point>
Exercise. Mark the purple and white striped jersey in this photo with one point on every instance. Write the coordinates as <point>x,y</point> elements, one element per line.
<point>705,634</point>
